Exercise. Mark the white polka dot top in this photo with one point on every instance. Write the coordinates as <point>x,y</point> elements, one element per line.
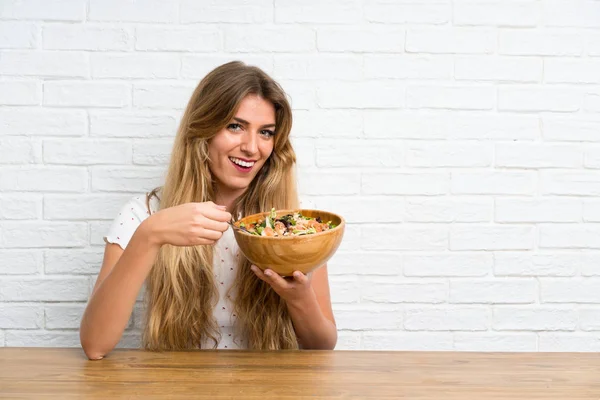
<point>131,216</point>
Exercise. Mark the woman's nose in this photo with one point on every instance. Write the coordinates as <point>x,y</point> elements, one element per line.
<point>249,143</point>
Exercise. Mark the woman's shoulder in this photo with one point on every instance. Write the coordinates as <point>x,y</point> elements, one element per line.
<point>142,205</point>
<point>131,214</point>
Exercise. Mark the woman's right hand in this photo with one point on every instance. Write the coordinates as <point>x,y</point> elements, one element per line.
<point>188,224</point>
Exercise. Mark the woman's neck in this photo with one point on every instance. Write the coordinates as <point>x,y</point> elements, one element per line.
<point>227,198</point>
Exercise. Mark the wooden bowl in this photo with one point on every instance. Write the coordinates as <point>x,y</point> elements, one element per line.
<point>287,254</point>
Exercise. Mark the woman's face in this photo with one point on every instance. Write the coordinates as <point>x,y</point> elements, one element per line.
<point>238,152</point>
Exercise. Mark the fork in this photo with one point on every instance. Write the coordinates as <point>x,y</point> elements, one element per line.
<point>232,224</point>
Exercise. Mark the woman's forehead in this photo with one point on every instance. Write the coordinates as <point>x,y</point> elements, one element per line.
<point>256,111</point>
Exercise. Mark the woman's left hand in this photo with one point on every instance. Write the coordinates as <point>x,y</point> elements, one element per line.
<point>292,290</point>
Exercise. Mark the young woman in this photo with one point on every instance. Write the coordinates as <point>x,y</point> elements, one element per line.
<point>232,156</point>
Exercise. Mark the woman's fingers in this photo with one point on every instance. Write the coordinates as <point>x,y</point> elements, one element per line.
<point>202,241</point>
<point>272,278</point>
<point>209,234</point>
<point>258,272</point>
<point>215,225</point>
<point>300,278</point>
<point>291,288</point>
<point>276,280</point>
<point>216,213</point>
<point>279,282</point>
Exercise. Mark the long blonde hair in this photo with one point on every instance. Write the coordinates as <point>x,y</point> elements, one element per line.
<point>181,289</point>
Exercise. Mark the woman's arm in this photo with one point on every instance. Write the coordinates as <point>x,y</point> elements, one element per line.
<point>115,292</point>
<point>309,304</point>
<point>123,272</point>
<point>313,316</point>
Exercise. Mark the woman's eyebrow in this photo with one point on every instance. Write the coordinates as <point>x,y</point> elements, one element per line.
<point>248,123</point>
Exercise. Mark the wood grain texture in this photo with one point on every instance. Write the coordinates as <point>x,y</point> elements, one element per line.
<point>67,374</point>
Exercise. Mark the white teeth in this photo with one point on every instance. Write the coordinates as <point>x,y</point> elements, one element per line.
<point>242,163</point>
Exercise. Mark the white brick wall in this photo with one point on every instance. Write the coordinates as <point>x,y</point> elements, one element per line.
<point>459,138</point>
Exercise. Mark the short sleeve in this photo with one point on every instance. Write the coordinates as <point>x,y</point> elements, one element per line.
<point>131,215</point>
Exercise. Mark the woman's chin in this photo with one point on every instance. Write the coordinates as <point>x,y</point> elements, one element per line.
<point>239,185</point>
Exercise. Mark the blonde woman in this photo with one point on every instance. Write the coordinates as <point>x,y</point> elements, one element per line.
<point>231,156</point>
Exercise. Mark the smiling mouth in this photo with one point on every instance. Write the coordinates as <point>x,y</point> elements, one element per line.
<point>242,165</point>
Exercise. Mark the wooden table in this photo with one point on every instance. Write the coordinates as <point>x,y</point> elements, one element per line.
<point>66,373</point>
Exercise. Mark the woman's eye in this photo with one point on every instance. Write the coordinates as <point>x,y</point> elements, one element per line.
<point>234,127</point>
<point>267,133</point>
